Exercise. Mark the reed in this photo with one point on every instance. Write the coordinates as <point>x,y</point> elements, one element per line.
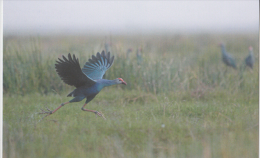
<point>189,66</point>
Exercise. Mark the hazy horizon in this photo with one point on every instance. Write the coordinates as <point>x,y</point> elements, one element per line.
<point>59,17</point>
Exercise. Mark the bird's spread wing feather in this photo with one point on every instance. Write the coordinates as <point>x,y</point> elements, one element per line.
<point>96,67</point>
<point>70,72</point>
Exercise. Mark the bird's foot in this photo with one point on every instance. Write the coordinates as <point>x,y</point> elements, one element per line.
<point>100,114</point>
<point>48,112</point>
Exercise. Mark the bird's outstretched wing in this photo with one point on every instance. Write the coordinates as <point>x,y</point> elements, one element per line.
<point>96,67</point>
<point>70,72</point>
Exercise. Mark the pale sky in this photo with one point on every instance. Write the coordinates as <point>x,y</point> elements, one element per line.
<point>123,16</point>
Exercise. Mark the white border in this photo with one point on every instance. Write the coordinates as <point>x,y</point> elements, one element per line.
<point>1,78</point>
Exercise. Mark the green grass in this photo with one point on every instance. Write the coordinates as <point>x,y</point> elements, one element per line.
<point>181,101</point>
<point>219,126</point>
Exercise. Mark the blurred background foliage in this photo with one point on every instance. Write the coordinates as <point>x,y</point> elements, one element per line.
<point>167,62</point>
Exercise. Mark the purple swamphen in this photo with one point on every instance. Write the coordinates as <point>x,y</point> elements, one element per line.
<point>227,58</point>
<point>139,56</point>
<point>250,59</point>
<point>128,51</point>
<point>88,80</point>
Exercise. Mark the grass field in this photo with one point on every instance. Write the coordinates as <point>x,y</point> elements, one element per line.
<point>180,101</point>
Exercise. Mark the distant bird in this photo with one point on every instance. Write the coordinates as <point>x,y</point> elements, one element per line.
<point>250,58</point>
<point>227,58</point>
<point>139,56</point>
<point>88,80</point>
<point>128,51</point>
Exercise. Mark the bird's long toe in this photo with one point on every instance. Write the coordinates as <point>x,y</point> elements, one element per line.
<point>100,114</point>
<point>46,112</point>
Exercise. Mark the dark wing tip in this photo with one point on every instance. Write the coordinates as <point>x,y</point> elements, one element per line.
<point>94,59</point>
<point>98,56</point>
<point>112,60</point>
<point>69,57</point>
<point>108,55</point>
<point>64,58</point>
<point>103,54</point>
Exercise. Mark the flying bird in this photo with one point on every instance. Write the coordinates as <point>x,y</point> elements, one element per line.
<point>250,58</point>
<point>227,58</point>
<point>88,80</point>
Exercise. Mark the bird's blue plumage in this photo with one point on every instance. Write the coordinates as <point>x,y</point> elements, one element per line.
<point>250,59</point>
<point>227,58</point>
<point>139,56</point>
<point>88,80</point>
<point>86,91</point>
<point>96,67</point>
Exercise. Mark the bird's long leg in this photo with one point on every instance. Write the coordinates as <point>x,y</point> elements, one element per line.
<point>95,112</point>
<point>49,112</point>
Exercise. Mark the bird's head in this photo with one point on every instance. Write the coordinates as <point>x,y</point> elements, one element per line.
<point>221,44</point>
<point>129,50</point>
<point>120,81</point>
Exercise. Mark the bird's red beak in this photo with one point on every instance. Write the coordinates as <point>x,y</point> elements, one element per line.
<point>123,82</point>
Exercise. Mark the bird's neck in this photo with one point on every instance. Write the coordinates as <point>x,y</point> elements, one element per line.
<point>223,50</point>
<point>251,53</point>
<point>109,82</point>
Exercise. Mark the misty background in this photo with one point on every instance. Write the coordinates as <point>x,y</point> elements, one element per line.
<point>106,17</point>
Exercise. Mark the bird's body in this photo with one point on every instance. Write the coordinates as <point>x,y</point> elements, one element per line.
<point>227,58</point>
<point>88,80</point>
<point>86,91</point>
<point>92,90</point>
<point>250,60</point>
